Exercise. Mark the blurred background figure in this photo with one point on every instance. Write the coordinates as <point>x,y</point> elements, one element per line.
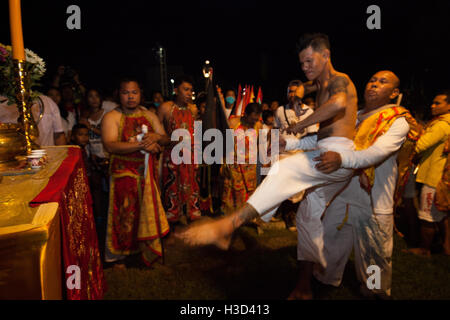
<point>201,104</point>
<point>67,118</point>
<point>157,100</point>
<point>230,102</point>
<point>268,119</point>
<point>98,156</point>
<point>274,105</point>
<point>310,102</point>
<point>265,106</point>
<point>67,80</point>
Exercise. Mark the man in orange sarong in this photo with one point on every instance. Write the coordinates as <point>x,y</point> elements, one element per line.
<point>136,217</point>
<point>180,187</point>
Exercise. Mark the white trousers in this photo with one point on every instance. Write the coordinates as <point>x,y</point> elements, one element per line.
<point>296,173</point>
<point>347,226</point>
<point>310,232</point>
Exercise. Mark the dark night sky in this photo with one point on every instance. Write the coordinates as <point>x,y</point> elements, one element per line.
<point>246,41</point>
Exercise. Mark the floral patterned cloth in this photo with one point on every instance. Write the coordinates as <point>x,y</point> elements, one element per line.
<point>240,180</point>
<point>136,221</point>
<point>180,186</point>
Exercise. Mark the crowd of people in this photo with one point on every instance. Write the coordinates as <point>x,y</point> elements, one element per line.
<point>342,174</point>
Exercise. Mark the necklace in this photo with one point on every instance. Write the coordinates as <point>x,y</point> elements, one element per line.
<point>180,107</point>
<point>135,111</point>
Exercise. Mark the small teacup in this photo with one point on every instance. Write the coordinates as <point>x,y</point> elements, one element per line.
<point>40,153</point>
<point>35,161</point>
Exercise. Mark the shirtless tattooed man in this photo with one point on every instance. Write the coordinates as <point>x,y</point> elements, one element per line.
<point>336,100</point>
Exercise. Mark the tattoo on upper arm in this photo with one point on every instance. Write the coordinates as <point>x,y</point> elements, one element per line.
<point>337,85</point>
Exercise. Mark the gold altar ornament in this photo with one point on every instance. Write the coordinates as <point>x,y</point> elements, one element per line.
<point>12,143</point>
<point>24,103</point>
<point>18,139</point>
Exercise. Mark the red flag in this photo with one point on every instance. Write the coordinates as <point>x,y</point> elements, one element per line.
<point>240,106</point>
<point>259,96</point>
<point>239,98</point>
<point>244,101</point>
<point>248,98</point>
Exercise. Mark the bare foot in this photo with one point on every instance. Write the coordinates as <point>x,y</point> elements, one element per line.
<point>419,252</point>
<point>208,231</point>
<point>297,294</point>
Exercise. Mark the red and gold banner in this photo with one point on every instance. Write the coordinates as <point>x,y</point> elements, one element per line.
<point>70,188</point>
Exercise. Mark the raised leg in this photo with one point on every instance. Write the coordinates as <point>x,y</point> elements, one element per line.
<point>217,232</point>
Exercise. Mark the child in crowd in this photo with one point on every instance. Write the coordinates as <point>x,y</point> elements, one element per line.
<point>80,137</point>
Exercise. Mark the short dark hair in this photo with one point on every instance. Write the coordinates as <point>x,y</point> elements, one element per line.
<point>317,41</point>
<point>266,114</point>
<point>252,107</point>
<point>183,78</point>
<point>53,88</point>
<point>77,127</point>
<point>296,83</point>
<point>127,79</point>
<point>446,93</point>
<point>201,97</point>
<point>96,90</point>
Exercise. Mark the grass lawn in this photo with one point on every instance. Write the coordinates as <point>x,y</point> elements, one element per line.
<point>263,267</point>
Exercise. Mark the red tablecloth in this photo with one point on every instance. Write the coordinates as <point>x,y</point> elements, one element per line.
<point>69,187</point>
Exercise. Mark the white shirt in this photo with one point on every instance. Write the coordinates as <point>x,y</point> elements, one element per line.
<point>68,123</point>
<point>382,154</point>
<point>227,112</point>
<point>109,105</point>
<point>95,140</point>
<point>264,144</point>
<point>285,116</point>
<point>8,113</point>
<point>50,123</point>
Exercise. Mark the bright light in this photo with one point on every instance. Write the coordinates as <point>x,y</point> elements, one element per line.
<point>172,81</point>
<point>207,62</point>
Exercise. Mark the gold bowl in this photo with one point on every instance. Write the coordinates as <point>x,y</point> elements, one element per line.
<point>12,144</point>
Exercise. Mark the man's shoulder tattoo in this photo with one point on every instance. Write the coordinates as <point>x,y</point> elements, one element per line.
<point>338,84</point>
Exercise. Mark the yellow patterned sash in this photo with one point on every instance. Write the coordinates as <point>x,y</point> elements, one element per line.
<point>370,129</point>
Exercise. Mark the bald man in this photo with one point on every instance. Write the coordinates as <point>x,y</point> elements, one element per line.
<point>361,217</point>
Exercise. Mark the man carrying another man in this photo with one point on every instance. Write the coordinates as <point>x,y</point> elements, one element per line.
<point>361,217</point>
<point>336,114</point>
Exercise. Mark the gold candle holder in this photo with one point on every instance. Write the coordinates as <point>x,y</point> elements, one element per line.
<point>24,103</point>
